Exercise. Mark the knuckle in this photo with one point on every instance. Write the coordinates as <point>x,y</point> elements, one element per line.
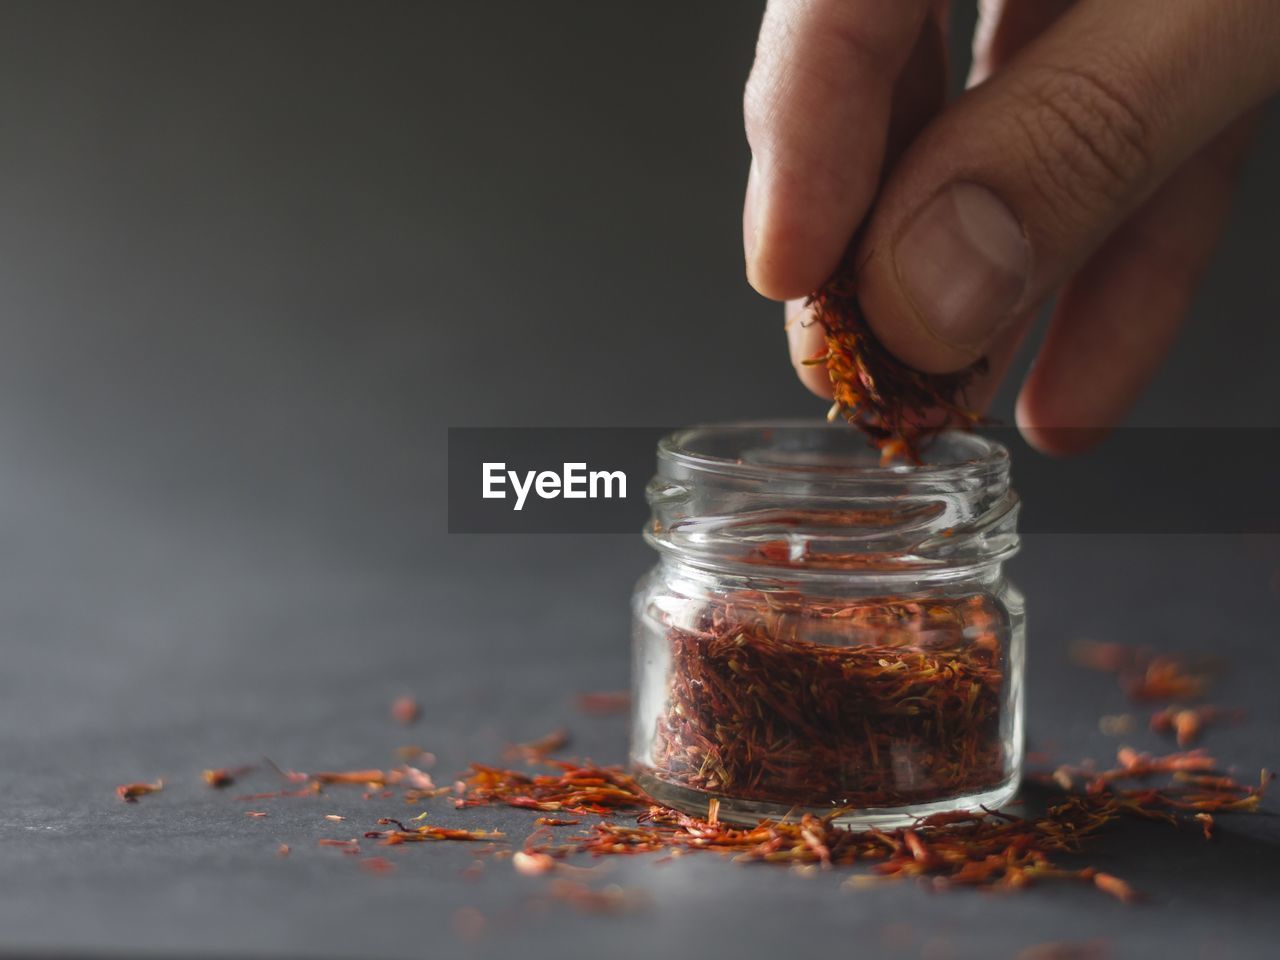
<point>761,91</point>
<point>1223,157</point>
<point>769,84</point>
<point>875,44</point>
<point>755,107</point>
<point>1086,142</point>
<point>1178,263</point>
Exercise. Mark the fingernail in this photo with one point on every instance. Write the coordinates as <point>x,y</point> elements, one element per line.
<point>749,214</point>
<point>964,262</point>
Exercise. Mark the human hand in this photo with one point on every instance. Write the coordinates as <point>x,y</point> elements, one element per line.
<point>1094,152</point>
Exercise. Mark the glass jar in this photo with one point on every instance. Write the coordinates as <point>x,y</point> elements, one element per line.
<point>825,634</point>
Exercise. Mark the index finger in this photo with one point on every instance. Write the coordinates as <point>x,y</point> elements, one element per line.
<point>817,110</point>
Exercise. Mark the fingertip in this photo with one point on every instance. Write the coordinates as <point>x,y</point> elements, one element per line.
<point>805,342</point>
<point>787,257</point>
<point>776,278</point>
<point>981,392</point>
<point>1033,413</point>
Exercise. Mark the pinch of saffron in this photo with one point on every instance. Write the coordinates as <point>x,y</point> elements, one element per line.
<point>896,407</point>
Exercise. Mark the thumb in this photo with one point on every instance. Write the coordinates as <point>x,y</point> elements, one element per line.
<point>1007,192</point>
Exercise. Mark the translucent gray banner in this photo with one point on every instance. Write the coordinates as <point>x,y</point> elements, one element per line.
<point>1138,480</point>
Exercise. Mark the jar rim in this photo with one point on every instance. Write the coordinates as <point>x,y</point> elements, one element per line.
<point>806,496</point>
<point>954,456</point>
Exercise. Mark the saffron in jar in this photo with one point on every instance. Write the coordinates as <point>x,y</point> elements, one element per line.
<point>827,634</point>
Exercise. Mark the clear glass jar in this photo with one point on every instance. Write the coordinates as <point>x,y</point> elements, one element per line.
<point>824,634</point>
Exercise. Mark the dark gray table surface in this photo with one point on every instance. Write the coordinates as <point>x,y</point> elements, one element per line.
<point>141,657</point>
<point>253,260</point>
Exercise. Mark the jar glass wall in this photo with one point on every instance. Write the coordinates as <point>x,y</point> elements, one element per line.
<point>825,634</point>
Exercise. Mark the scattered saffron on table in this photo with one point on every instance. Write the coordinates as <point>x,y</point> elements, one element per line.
<point>1065,950</point>
<point>1187,723</point>
<point>223,776</point>
<point>987,848</point>
<point>532,864</point>
<point>984,848</point>
<point>130,792</point>
<point>610,898</point>
<point>1165,678</point>
<point>535,751</point>
<point>612,701</point>
<point>372,778</point>
<point>469,923</point>
<point>350,846</point>
<point>1115,886</point>
<point>415,755</point>
<point>1145,676</point>
<point>405,710</point>
<point>965,848</point>
<point>417,783</point>
<point>427,832</point>
<point>1116,725</point>
<point>576,788</point>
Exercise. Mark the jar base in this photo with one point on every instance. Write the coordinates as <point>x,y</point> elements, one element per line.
<point>749,812</point>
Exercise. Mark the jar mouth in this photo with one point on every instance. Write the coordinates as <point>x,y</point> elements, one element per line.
<point>827,453</point>
<point>806,496</point>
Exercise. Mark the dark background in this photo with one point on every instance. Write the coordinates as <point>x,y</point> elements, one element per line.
<point>254,259</point>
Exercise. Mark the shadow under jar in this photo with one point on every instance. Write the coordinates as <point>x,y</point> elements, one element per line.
<point>825,634</point>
